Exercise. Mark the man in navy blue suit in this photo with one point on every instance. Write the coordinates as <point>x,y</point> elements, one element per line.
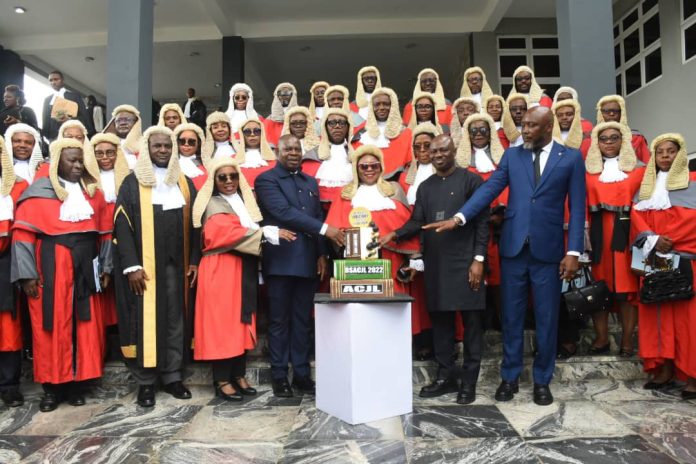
<point>289,199</point>
<point>541,175</point>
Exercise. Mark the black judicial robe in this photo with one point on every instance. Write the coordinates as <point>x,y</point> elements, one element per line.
<point>154,239</point>
<point>448,255</point>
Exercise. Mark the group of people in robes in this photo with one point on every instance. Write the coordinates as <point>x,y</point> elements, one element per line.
<point>169,233</point>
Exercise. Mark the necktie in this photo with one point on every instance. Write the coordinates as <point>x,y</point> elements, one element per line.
<point>537,166</point>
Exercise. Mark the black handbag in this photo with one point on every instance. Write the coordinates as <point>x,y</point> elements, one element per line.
<point>593,297</point>
<point>668,284</point>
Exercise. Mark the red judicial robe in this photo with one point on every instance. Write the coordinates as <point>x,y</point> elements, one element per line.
<point>444,117</point>
<point>640,146</point>
<point>10,324</point>
<point>605,201</point>
<point>273,130</point>
<point>219,329</point>
<point>71,348</point>
<point>198,181</point>
<point>397,155</point>
<point>250,174</point>
<point>108,297</point>
<point>668,330</point>
<point>503,138</point>
<point>586,127</point>
<point>387,221</point>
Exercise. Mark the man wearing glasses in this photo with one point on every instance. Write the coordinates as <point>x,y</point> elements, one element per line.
<point>612,108</point>
<point>284,98</point>
<point>125,123</point>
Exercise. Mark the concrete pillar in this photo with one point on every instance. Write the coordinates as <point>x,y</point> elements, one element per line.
<point>484,54</point>
<point>586,49</point>
<point>232,65</point>
<point>129,52</point>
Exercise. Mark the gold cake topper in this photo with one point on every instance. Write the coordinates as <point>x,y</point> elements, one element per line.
<point>359,217</point>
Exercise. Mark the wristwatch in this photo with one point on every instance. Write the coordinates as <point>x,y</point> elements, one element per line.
<point>457,220</point>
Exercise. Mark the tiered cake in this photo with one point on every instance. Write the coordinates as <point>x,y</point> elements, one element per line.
<point>362,274</point>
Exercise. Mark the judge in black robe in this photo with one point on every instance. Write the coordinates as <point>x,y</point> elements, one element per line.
<point>50,126</point>
<point>453,263</point>
<point>158,249</point>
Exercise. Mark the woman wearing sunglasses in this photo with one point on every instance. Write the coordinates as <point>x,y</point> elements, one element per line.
<point>241,106</point>
<point>189,140</point>
<point>225,316</point>
<point>255,154</point>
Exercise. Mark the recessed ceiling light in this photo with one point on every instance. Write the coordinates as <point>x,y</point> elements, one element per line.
<point>20,10</point>
<point>89,59</point>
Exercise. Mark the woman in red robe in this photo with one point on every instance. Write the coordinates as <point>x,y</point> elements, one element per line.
<point>225,317</point>
<point>496,108</point>
<point>189,141</point>
<point>388,206</point>
<point>61,239</point>
<point>462,108</point>
<point>429,81</point>
<point>663,224</point>
<point>613,108</point>
<point>255,155</point>
<point>11,187</point>
<point>613,178</point>
<point>334,151</point>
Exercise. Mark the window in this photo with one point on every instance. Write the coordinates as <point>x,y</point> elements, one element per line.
<point>637,47</point>
<point>688,28</point>
<point>539,52</point>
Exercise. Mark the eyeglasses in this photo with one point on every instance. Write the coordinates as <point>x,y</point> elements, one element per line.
<point>609,138</point>
<point>421,147</point>
<point>125,120</point>
<point>518,109</point>
<point>424,106</point>
<point>189,142</point>
<point>524,77</point>
<point>298,124</point>
<point>364,167</point>
<point>474,131</point>
<point>104,154</point>
<point>254,131</point>
<point>240,97</point>
<point>336,123</point>
<point>284,94</point>
<point>473,79</point>
<point>228,177</point>
<point>611,111</point>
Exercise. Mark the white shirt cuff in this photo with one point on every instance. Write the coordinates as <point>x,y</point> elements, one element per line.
<point>271,234</point>
<point>573,253</point>
<point>323,229</point>
<point>479,258</point>
<point>128,270</point>
<point>416,264</point>
<point>461,216</point>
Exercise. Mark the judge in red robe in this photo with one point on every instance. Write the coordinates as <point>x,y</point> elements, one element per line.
<point>384,130</point>
<point>475,86</point>
<point>369,80</point>
<point>23,145</point>
<point>127,125</point>
<point>524,82</point>
<point>219,140</point>
<point>462,108</point>
<point>190,139</point>
<point>255,155</point>
<point>429,81</point>
<point>569,93</point>
<point>298,122</point>
<point>613,108</point>
<point>241,107</point>
<point>496,108</point>
<point>335,170</point>
<point>61,239</point>
<point>284,98</point>
<point>388,205</point>
<point>11,187</point>
<point>567,126</point>
<point>613,176</point>
<point>663,224</point>
<point>424,111</point>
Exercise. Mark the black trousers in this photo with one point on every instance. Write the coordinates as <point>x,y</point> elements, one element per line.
<point>443,342</point>
<point>10,369</point>
<point>290,301</point>
<point>568,329</point>
<point>228,369</point>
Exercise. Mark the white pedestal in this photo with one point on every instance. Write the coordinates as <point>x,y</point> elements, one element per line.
<point>363,358</point>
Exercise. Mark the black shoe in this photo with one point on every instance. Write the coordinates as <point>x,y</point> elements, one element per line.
<point>177,390</point>
<point>597,350</point>
<point>658,385</point>
<point>76,399</point>
<point>564,353</point>
<point>542,395</point>
<point>12,398</point>
<point>687,395</point>
<point>249,391</point>
<point>438,388</point>
<point>281,388</point>
<point>236,396</point>
<point>49,402</point>
<point>146,396</point>
<point>304,385</point>
<point>467,394</point>
<point>506,391</point>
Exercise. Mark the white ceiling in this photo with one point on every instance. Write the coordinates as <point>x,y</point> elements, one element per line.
<point>399,36</point>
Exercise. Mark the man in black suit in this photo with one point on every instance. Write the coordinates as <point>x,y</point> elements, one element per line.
<point>453,269</point>
<point>50,125</point>
<point>194,109</point>
<point>289,199</point>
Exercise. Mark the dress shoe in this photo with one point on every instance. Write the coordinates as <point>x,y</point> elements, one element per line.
<point>438,388</point>
<point>688,395</point>
<point>597,350</point>
<point>542,395</point>
<point>12,398</point>
<point>506,390</point>
<point>49,402</point>
<point>177,390</point>
<point>658,385</point>
<point>236,396</point>
<point>304,385</point>
<point>146,396</point>
<point>76,399</point>
<point>281,388</point>
<point>467,394</point>
<point>248,391</point>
